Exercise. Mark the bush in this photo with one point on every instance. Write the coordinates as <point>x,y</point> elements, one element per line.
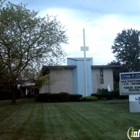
<point>105,94</point>
<point>109,96</point>
<point>5,95</point>
<point>53,97</point>
<point>89,98</point>
<point>118,96</point>
<point>123,97</point>
<point>98,95</point>
<point>63,97</point>
<point>43,97</point>
<point>102,91</point>
<point>75,97</point>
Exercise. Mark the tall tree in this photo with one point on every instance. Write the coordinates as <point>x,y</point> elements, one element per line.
<point>26,40</point>
<point>116,70</point>
<point>127,49</point>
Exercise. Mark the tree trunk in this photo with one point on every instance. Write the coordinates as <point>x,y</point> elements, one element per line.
<point>14,88</point>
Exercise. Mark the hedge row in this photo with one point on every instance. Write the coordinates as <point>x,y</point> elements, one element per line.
<point>104,94</point>
<point>89,98</point>
<point>58,97</point>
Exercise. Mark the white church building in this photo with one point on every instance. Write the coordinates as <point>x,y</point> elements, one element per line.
<point>70,78</point>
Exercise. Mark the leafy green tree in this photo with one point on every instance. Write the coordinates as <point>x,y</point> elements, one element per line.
<point>116,70</point>
<point>27,40</point>
<point>127,49</point>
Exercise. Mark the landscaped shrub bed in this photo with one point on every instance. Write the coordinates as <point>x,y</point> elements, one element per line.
<point>63,97</point>
<point>58,97</point>
<point>75,97</point>
<point>43,97</point>
<point>123,97</point>
<point>104,94</point>
<point>108,95</point>
<point>53,97</point>
<point>98,95</point>
<point>89,98</point>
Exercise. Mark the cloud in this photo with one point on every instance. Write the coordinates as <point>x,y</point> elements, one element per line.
<point>100,32</point>
<point>126,7</point>
<point>102,20</point>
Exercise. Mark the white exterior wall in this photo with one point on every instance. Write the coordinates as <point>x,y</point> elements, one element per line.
<point>107,76</point>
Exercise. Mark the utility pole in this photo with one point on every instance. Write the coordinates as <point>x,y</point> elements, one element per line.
<point>84,48</point>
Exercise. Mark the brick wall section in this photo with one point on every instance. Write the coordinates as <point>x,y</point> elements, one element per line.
<point>61,81</point>
<point>108,79</point>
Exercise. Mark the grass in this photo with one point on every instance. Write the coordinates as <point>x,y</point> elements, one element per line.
<point>29,120</point>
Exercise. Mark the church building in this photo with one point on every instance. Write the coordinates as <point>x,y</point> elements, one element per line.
<point>70,78</point>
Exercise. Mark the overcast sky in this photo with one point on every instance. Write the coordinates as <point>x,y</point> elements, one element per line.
<point>102,20</point>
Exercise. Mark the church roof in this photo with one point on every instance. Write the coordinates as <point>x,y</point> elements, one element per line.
<point>61,67</point>
<point>74,66</point>
<point>106,66</point>
<point>80,58</point>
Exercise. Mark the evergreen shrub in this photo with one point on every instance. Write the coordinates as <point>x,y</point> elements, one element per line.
<point>106,94</point>
<point>43,97</point>
<point>53,97</point>
<point>98,95</point>
<point>89,98</point>
<point>75,97</point>
<point>63,97</point>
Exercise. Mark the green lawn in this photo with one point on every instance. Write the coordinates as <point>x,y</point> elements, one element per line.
<point>30,120</point>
